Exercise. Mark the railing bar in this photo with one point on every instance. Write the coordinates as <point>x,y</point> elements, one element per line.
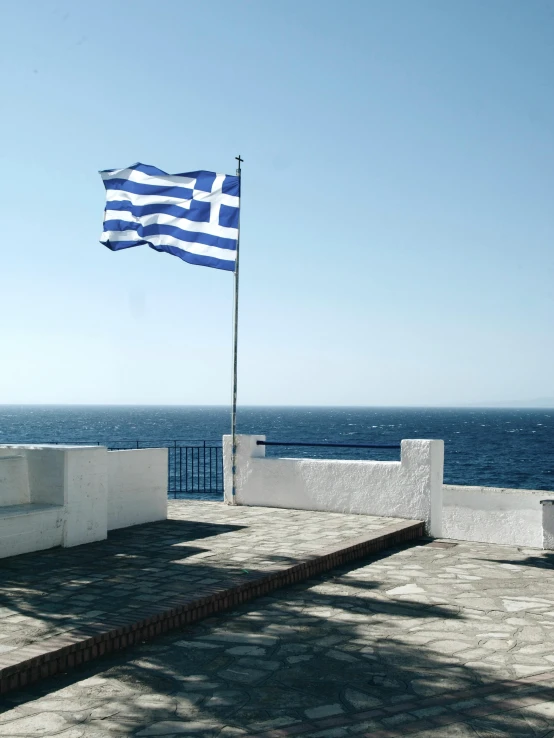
<point>131,442</point>
<point>334,445</point>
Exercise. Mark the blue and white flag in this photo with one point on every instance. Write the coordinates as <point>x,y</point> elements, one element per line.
<point>194,216</point>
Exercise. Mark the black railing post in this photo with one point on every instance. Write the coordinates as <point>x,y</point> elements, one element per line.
<point>186,468</point>
<point>180,470</point>
<point>204,466</point>
<point>175,466</point>
<point>216,469</point>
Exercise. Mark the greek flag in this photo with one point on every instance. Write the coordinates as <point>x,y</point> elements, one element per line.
<point>194,216</point>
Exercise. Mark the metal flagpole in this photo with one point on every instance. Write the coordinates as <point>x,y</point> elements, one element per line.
<point>235,344</point>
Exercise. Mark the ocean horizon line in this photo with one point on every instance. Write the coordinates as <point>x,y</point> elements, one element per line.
<point>470,406</point>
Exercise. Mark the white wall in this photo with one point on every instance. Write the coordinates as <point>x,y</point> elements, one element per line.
<point>513,517</point>
<point>137,481</point>
<point>70,495</point>
<point>410,488</point>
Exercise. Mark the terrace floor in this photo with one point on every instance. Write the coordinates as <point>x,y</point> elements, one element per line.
<point>61,607</point>
<point>432,640</point>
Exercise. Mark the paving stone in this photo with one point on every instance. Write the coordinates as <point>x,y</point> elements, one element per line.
<point>360,700</point>
<point>450,646</point>
<point>173,727</point>
<point>42,724</point>
<point>324,711</point>
<point>248,638</point>
<point>298,659</point>
<point>457,730</point>
<point>265,664</point>
<point>243,674</point>
<point>368,727</point>
<point>247,651</point>
<point>426,712</point>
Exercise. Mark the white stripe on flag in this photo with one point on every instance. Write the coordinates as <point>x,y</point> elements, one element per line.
<point>218,197</point>
<point>162,180</point>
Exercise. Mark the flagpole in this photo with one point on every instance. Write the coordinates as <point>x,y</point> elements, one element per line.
<point>235,345</point>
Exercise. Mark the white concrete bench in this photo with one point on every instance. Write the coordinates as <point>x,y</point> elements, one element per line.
<point>69,495</point>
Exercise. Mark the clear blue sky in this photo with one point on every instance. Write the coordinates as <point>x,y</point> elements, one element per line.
<point>397,242</point>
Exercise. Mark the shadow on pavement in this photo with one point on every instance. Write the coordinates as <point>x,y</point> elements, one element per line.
<point>332,646</point>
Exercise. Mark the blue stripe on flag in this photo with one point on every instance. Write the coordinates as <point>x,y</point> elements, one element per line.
<point>198,211</point>
<point>197,258</point>
<point>126,185</point>
<point>156,229</point>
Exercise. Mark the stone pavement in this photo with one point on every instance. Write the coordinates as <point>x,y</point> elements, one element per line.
<point>432,641</point>
<point>61,607</point>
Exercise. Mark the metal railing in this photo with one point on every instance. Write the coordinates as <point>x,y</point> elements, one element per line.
<point>194,466</point>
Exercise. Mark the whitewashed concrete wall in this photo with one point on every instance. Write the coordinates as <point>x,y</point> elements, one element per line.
<point>14,480</point>
<point>59,495</point>
<point>137,483</point>
<point>410,488</point>
<point>512,517</point>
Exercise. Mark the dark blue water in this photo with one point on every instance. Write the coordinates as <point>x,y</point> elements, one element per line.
<point>507,448</point>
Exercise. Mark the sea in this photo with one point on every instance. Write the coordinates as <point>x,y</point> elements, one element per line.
<point>487,447</point>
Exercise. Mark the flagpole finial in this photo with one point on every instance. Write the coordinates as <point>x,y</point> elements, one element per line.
<point>240,160</point>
